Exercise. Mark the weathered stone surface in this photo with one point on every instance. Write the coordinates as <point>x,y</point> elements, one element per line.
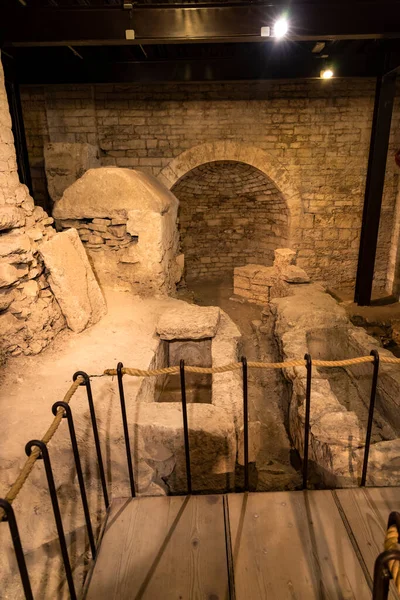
<point>189,322</point>
<point>10,217</point>
<point>128,210</point>
<point>95,239</point>
<point>260,284</point>
<point>284,257</point>
<point>312,321</point>
<point>254,442</point>
<point>108,191</point>
<point>14,243</point>
<point>6,298</point>
<point>72,280</point>
<point>227,387</point>
<point>9,274</point>
<point>383,463</point>
<point>158,431</point>
<point>9,324</point>
<point>65,163</point>
<point>294,274</point>
<point>179,267</point>
<point>277,477</point>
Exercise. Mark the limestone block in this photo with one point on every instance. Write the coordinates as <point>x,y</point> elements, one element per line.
<point>179,267</point>
<point>158,432</point>
<point>265,275</point>
<point>118,230</point>
<point>294,274</point>
<point>137,205</point>
<point>254,442</point>
<point>284,257</point>
<point>242,282</point>
<point>248,271</point>
<point>279,290</point>
<point>65,163</point>
<point>14,243</point>
<point>9,274</point>
<point>108,192</point>
<point>188,322</point>
<point>72,280</point>
<point>6,298</point>
<point>383,463</point>
<point>129,255</point>
<point>95,239</point>
<point>242,292</point>
<point>11,216</point>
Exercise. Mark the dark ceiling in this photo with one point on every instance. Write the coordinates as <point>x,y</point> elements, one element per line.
<point>74,41</point>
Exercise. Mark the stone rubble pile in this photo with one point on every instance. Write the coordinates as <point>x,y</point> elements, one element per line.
<point>259,284</point>
<point>31,312</point>
<point>30,316</point>
<point>98,233</point>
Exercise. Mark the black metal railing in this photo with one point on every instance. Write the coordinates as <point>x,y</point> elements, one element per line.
<point>381,571</point>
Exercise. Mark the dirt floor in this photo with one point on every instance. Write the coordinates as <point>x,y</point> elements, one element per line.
<point>267,389</point>
<point>30,385</point>
<point>126,334</point>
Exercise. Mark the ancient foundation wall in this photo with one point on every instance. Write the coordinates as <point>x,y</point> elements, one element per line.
<point>319,133</point>
<point>311,321</point>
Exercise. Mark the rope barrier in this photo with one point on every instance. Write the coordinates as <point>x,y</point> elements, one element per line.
<point>252,365</point>
<point>30,462</point>
<point>391,543</point>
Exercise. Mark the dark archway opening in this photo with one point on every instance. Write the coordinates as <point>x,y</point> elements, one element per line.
<point>230,215</point>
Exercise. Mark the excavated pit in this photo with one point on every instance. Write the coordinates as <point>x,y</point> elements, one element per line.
<point>274,463</point>
<point>351,386</point>
<point>196,353</point>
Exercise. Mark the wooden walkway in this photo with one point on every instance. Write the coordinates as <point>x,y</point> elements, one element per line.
<point>278,545</point>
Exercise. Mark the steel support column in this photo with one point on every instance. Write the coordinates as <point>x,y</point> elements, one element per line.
<point>384,97</point>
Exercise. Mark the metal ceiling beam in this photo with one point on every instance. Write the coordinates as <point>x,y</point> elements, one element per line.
<point>322,21</point>
<point>380,133</point>
<point>199,70</point>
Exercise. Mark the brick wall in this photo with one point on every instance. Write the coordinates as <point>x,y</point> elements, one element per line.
<point>230,215</point>
<point>319,131</point>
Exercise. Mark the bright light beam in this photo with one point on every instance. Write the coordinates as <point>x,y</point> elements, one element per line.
<point>281,28</point>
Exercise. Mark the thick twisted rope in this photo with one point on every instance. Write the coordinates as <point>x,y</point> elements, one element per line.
<point>252,365</point>
<point>391,543</point>
<point>30,462</point>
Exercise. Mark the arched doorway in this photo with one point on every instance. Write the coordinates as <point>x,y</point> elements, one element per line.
<point>230,214</point>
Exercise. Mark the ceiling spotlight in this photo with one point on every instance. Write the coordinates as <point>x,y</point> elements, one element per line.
<point>326,74</point>
<point>281,27</point>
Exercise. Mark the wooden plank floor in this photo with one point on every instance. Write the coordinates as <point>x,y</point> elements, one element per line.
<point>277,545</point>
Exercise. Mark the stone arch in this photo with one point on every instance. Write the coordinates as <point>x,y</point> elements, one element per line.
<point>236,151</point>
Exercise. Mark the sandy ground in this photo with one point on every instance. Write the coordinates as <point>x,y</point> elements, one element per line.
<point>30,385</point>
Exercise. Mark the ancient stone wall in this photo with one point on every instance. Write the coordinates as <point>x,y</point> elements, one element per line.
<point>29,315</point>
<point>318,131</point>
<point>230,215</point>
